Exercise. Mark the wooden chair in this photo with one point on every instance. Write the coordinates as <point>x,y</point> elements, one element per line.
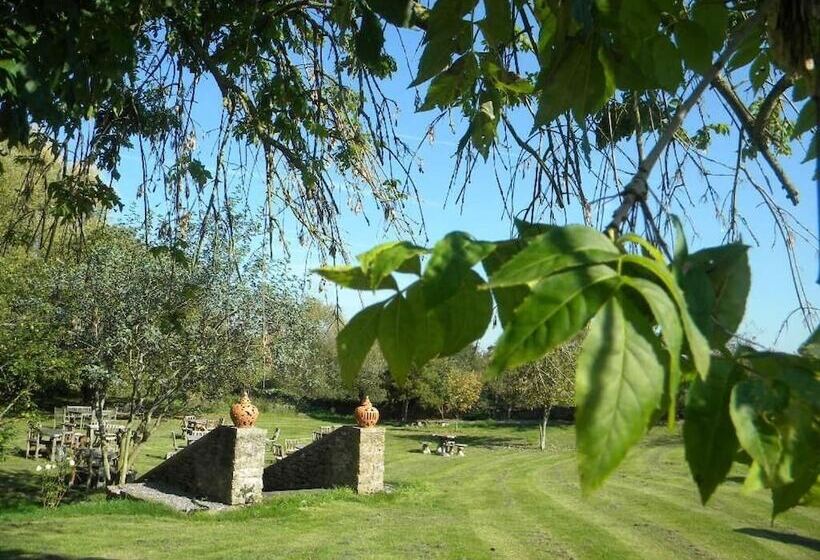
<point>33,441</point>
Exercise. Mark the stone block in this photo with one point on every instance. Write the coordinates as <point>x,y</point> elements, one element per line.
<point>225,465</point>
<point>349,456</point>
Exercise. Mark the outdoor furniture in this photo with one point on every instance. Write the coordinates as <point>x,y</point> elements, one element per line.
<point>460,449</point>
<point>425,447</point>
<point>33,444</point>
<point>446,444</point>
<point>322,432</point>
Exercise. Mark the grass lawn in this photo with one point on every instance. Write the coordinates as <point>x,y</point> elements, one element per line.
<point>505,499</point>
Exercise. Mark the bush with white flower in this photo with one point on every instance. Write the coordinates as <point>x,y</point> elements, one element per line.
<point>55,480</point>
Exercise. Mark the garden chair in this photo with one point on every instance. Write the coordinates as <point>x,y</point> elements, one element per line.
<point>33,442</point>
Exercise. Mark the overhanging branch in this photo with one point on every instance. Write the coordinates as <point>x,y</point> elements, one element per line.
<point>758,139</point>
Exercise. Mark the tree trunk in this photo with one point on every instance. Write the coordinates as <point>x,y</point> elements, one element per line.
<point>404,411</point>
<point>100,401</point>
<point>542,428</point>
<point>125,458</point>
<point>509,412</point>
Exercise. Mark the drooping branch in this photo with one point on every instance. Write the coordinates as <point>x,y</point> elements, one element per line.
<point>637,189</point>
<point>768,105</point>
<point>748,123</point>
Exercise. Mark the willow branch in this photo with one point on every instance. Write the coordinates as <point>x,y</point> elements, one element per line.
<point>638,188</point>
<point>748,123</point>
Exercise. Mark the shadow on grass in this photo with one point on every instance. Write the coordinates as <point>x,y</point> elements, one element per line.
<point>787,538</point>
<point>17,554</point>
<point>21,490</point>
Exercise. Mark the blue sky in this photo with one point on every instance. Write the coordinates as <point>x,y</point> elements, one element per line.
<point>772,296</point>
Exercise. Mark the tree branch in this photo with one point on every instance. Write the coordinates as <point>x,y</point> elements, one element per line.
<point>637,188</point>
<point>768,105</point>
<point>748,123</point>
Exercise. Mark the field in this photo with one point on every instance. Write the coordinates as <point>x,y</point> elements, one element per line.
<point>505,499</point>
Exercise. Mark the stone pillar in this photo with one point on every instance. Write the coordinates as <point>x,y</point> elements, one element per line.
<point>225,465</point>
<point>370,477</point>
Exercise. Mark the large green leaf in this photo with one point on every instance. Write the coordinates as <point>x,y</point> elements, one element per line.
<point>557,249</point>
<point>497,26</point>
<point>446,35</point>
<point>667,317</point>
<point>556,309</point>
<point>618,386</point>
<point>450,265</point>
<point>369,40</point>
<point>801,457</point>
<point>713,17</point>
<point>447,88</point>
<point>464,316</point>
<point>727,268</point>
<point>708,433</point>
<point>397,323</point>
<point>381,260</point>
<point>580,80</point>
<point>353,277</point>
<point>354,341</point>
<point>698,345</point>
<point>506,299</point>
<point>397,12</point>
<point>695,51</point>
<point>754,405</point>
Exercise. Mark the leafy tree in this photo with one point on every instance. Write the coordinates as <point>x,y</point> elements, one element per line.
<point>544,383</point>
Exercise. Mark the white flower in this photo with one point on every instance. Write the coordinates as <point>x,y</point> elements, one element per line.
<point>39,468</point>
<point>71,462</point>
<point>49,467</point>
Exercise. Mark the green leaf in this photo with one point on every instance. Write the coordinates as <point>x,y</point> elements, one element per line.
<point>446,34</point>
<point>397,12</point>
<point>648,249</point>
<point>497,26</point>
<point>464,317</point>
<point>698,345</point>
<point>746,52</point>
<point>369,40</point>
<point>696,52</point>
<point>556,309</point>
<point>806,119</point>
<point>708,433</point>
<point>801,465</point>
<point>618,386</point>
<point>381,260</point>
<point>450,263</point>
<point>753,405</point>
<point>681,251</point>
<point>447,88</point>
<point>727,268</point>
<point>759,71</point>
<point>581,80</point>
<point>354,277</point>
<point>665,63</point>
<point>422,333</point>
<point>483,128</point>
<point>354,341</point>
<point>506,299</point>
<point>667,317</point>
<point>557,249</point>
<point>397,320</point>
<point>700,298</point>
<point>713,17</point>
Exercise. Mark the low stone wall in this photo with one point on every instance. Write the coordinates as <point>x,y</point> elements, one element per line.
<point>224,465</point>
<point>348,456</point>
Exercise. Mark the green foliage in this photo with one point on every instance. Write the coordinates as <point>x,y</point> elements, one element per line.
<point>649,321</point>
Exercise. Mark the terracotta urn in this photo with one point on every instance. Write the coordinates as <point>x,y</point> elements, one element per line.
<point>366,414</point>
<point>243,413</point>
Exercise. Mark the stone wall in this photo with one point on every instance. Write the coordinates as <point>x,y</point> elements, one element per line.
<point>224,465</point>
<point>349,456</point>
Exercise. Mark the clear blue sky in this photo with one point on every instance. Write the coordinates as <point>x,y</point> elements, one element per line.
<point>772,296</point>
